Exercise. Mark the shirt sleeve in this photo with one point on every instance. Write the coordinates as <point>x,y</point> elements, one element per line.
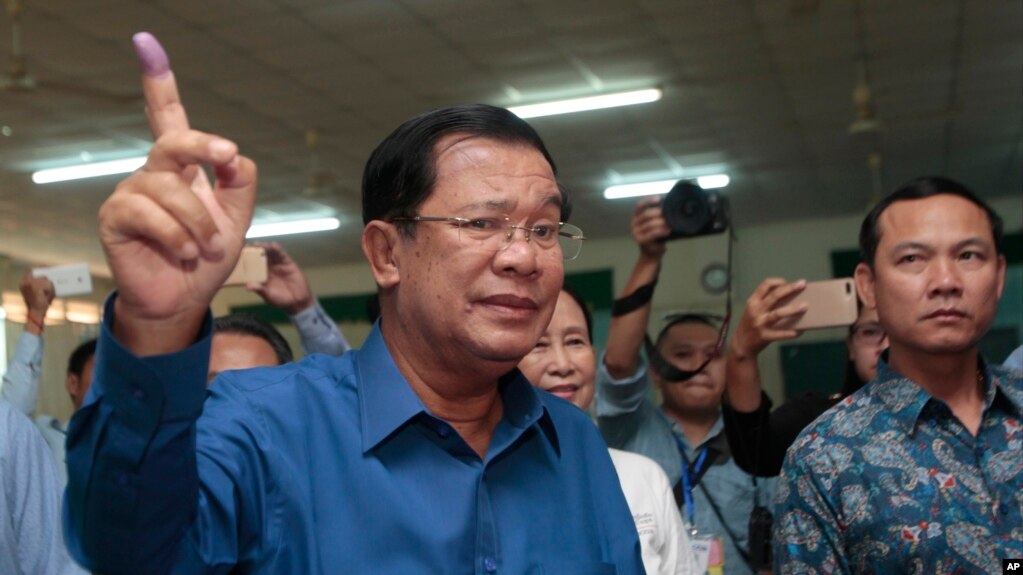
<point>21,382</point>
<point>28,483</point>
<point>622,404</point>
<point>148,491</point>
<point>318,332</point>
<point>807,533</point>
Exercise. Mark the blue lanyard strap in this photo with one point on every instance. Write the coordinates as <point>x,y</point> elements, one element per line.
<point>691,474</point>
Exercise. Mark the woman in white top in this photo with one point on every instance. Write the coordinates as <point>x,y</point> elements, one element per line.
<point>564,363</point>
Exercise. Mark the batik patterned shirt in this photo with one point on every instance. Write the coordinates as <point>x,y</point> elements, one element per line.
<point>889,481</point>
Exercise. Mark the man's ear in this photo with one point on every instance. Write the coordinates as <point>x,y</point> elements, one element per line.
<point>380,242</point>
<point>864,277</point>
<point>72,382</point>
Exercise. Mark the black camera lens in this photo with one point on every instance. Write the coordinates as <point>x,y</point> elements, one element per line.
<point>692,211</point>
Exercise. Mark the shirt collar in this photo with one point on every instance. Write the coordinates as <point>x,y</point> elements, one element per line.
<point>387,402</point>
<point>906,400</point>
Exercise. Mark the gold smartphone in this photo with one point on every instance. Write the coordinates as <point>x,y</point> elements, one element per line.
<point>251,267</point>
<point>830,303</point>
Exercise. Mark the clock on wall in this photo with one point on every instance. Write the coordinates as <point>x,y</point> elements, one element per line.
<point>714,278</point>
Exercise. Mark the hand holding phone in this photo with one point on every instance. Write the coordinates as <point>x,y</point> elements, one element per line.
<point>71,279</point>
<point>829,303</point>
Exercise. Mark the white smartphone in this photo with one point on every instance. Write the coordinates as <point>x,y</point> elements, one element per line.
<point>251,267</point>
<point>70,279</point>
<point>830,303</point>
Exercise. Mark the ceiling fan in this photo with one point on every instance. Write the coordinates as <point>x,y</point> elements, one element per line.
<point>18,79</point>
<point>865,121</point>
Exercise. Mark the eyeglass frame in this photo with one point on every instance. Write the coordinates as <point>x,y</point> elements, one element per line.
<point>527,230</point>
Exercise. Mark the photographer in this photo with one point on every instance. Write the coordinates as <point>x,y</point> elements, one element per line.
<point>685,434</point>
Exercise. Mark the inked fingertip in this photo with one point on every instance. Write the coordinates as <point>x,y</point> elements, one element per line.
<point>151,55</point>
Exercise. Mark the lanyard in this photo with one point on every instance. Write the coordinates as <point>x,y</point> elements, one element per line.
<point>691,474</point>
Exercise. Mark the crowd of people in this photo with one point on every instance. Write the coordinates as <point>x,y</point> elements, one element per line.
<point>458,439</point>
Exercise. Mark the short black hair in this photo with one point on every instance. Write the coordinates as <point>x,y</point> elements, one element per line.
<point>578,298</point>
<point>707,319</point>
<point>918,189</point>
<point>245,324</point>
<point>80,356</point>
<point>401,171</point>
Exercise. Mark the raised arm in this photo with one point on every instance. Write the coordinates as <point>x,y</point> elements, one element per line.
<point>757,436</point>
<point>21,380</point>
<point>755,332</point>
<point>287,288</point>
<point>625,336</point>
<point>170,239</point>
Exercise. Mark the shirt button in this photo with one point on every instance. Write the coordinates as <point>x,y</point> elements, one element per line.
<point>138,394</point>
<point>443,431</point>
<point>490,564</point>
<point>122,479</point>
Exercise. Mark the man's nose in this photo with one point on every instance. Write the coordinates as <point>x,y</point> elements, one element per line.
<point>946,278</point>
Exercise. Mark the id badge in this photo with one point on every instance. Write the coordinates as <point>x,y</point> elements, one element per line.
<point>708,552</point>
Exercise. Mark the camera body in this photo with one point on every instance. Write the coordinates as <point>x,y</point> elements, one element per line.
<point>692,211</point>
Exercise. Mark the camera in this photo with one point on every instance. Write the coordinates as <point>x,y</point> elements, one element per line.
<point>760,522</point>
<point>692,211</point>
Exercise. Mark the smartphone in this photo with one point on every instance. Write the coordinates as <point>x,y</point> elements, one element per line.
<point>830,303</point>
<point>71,279</point>
<point>251,267</point>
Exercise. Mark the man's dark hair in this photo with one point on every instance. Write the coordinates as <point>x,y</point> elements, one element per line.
<point>701,318</point>
<point>245,324</point>
<point>918,189</point>
<point>80,356</point>
<point>401,171</point>
<point>582,304</point>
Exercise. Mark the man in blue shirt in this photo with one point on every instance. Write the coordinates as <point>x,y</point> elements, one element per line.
<point>921,470</point>
<point>424,452</point>
<point>685,433</point>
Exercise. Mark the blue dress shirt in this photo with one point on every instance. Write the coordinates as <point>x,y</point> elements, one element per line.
<point>330,465</point>
<point>890,481</point>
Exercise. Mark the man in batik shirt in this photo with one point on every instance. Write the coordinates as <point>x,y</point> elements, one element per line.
<point>921,471</point>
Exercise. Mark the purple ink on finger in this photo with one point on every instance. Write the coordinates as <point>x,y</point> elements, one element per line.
<point>152,57</point>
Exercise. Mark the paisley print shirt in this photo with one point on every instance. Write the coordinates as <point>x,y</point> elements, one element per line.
<point>889,481</point>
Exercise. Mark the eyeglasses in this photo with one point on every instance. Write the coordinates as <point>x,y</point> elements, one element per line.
<point>868,333</point>
<point>496,233</point>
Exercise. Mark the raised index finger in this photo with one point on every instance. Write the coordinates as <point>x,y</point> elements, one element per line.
<point>163,104</point>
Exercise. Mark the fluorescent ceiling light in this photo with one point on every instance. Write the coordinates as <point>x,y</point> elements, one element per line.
<point>590,103</point>
<point>92,170</point>
<point>292,227</point>
<point>660,187</point>
<point>714,181</point>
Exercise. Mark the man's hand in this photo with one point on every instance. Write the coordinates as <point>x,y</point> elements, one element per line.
<point>170,238</point>
<point>286,286</point>
<point>757,326</point>
<point>649,228</point>
<point>38,294</point>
